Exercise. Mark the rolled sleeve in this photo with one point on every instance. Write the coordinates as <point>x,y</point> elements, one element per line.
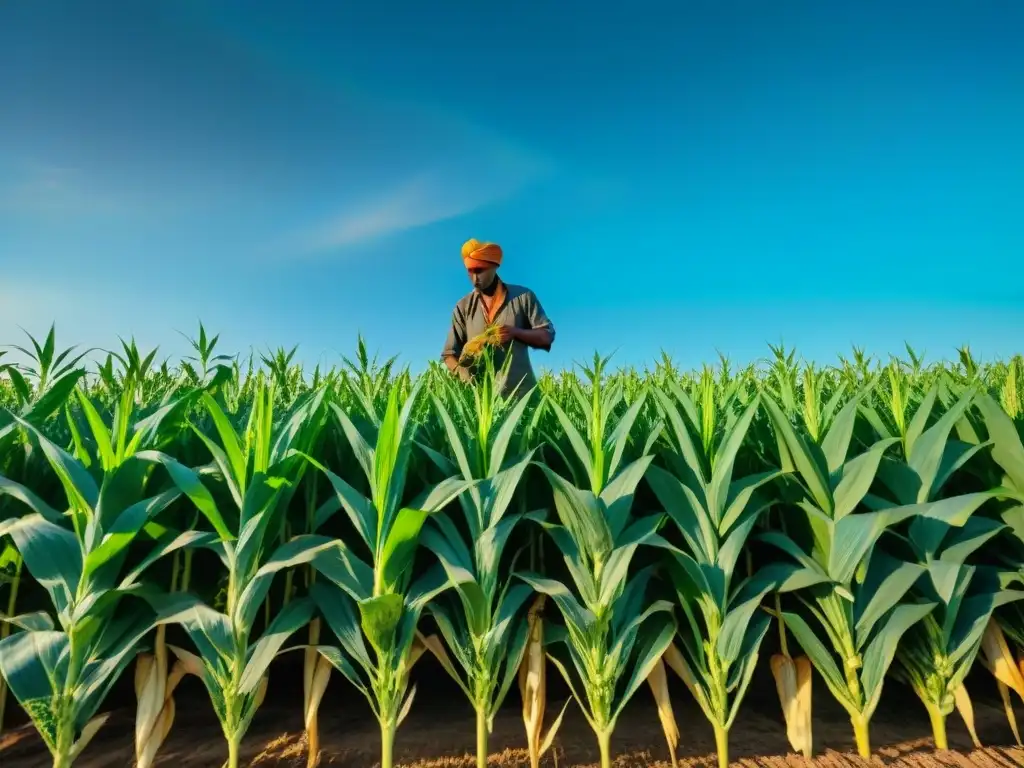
<point>456,336</point>
<point>536,315</point>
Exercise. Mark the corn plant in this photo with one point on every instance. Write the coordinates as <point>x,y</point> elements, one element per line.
<point>61,667</point>
<point>483,627</point>
<point>938,652</point>
<point>606,615</point>
<point>1001,657</point>
<point>715,515</point>
<point>260,466</point>
<point>379,600</point>
<point>860,603</point>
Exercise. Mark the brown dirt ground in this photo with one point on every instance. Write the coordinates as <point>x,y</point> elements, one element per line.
<point>900,736</point>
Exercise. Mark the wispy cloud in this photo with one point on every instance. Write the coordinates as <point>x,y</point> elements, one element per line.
<point>42,189</point>
<point>485,173</point>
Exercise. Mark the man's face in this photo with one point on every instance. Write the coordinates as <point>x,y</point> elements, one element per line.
<point>481,278</point>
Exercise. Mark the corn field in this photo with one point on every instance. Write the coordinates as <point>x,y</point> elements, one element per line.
<point>861,524</point>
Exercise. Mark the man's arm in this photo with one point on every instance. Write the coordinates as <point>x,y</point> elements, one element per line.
<point>453,346</point>
<point>540,334</point>
<point>536,338</point>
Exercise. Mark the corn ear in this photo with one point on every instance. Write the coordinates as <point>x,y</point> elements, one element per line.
<point>533,687</point>
<point>966,710</point>
<point>476,345</point>
<point>155,712</point>
<point>658,681</point>
<point>793,684</point>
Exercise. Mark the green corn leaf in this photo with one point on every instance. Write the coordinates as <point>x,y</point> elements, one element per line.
<point>340,663</point>
<point>126,527</point>
<point>298,551</point>
<point>30,662</point>
<point>741,493</point>
<point>29,499</point>
<point>686,511</point>
<point>346,570</point>
<point>804,462</point>
<point>1007,449</point>
<point>52,555</point>
<point>188,482</point>
<point>821,658</point>
<point>725,460</point>
<point>580,513</point>
<point>574,614</point>
<point>36,621</point>
<point>337,610</point>
<point>888,581</point>
<point>396,558</point>
<point>880,652</point>
<point>961,543</point>
<point>658,635</point>
<point>295,615</point>
<point>740,680</point>
<point>379,617</point>
<point>853,480</point>
<point>836,444</point>
<point>237,462</point>
<point>513,420</point>
<point>617,496</point>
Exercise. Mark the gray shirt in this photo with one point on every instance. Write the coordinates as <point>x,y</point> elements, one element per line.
<point>521,309</point>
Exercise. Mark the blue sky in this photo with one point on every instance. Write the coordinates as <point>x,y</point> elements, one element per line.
<point>688,176</point>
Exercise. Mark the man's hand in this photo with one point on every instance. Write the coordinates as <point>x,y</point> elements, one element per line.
<point>464,374</point>
<point>507,333</point>
<point>537,338</point>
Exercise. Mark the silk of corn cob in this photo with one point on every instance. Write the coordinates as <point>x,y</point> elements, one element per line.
<point>476,345</point>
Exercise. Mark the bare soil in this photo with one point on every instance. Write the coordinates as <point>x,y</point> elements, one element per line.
<point>440,733</point>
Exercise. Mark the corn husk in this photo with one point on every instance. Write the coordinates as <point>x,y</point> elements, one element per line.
<point>996,656</point>
<point>678,665</point>
<point>314,684</point>
<point>658,681</point>
<point>533,688</point>
<point>88,732</point>
<point>154,689</point>
<point>966,710</point>
<point>793,684</point>
<point>314,695</point>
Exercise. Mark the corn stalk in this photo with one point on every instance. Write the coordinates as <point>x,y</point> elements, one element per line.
<point>260,468</point>
<point>379,601</point>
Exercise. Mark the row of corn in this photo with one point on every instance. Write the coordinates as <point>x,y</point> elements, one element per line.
<point>865,521</point>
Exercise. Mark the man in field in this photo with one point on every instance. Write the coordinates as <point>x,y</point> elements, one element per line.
<point>511,315</point>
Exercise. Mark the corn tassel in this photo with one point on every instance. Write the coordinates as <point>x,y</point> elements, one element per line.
<point>999,661</point>
<point>658,681</point>
<point>533,688</point>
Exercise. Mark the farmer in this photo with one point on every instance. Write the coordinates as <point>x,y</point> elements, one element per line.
<point>517,317</point>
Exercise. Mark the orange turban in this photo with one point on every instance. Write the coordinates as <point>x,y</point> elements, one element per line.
<point>477,255</point>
